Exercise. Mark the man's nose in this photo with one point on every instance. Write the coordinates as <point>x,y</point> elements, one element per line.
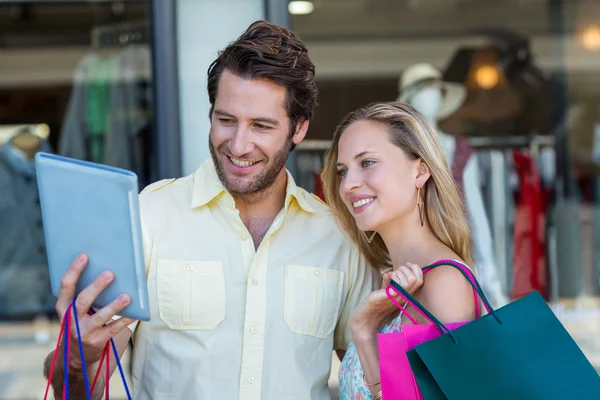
<point>240,143</point>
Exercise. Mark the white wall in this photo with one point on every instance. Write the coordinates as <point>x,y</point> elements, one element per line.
<point>203,28</point>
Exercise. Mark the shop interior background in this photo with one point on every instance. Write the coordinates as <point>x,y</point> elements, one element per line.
<point>531,69</point>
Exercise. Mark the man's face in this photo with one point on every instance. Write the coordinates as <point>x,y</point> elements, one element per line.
<point>250,134</point>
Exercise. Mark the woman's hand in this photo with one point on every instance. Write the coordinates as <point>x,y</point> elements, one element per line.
<point>369,315</point>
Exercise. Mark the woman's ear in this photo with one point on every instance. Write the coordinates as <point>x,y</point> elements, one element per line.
<point>423,173</point>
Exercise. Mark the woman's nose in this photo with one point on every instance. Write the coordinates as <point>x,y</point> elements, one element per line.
<point>351,182</point>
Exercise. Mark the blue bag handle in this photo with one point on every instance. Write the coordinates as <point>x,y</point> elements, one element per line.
<point>84,369</point>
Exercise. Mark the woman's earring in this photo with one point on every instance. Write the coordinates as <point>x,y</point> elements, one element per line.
<point>420,204</point>
<point>369,239</point>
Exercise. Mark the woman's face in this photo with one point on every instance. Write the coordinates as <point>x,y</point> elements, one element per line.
<point>377,180</point>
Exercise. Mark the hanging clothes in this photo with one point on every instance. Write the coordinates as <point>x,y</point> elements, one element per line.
<point>73,134</point>
<point>465,170</point>
<point>319,190</point>
<point>97,111</point>
<point>529,251</point>
<point>127,138</point>
<point>108,119</point>
<point>462,153</point>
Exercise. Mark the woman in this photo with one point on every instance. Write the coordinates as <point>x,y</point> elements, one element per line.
<point>388,184</point>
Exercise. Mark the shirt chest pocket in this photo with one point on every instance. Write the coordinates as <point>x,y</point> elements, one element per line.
<point>191,294</point>
<point>312,300</point>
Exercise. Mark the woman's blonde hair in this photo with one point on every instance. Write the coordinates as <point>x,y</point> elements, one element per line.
<point>444,209</point>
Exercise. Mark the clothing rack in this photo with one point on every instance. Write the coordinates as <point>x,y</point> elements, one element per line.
<point>120,34</point>
<point>479,142</point>
<point>314,145</point>
<point>498,142</point>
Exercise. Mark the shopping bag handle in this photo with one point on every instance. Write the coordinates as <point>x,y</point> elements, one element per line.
<point>396,287</point>
<point>470,277</point>
<point>66,339</point>
<point>428,269</point>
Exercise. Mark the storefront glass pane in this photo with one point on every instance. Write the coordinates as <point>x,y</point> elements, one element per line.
<point>522,104</point>
<point>75,80</point>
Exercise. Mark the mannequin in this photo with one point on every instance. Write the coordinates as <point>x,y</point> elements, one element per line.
<point>27,142</point>
<point>428,99</point>
<point>24,281</point>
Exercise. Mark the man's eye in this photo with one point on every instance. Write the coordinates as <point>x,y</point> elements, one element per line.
<point>226,121</point>
<point>262,127</point>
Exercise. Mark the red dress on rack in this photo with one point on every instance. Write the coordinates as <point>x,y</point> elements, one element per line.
<point>529,252</point>
<point>319,186</point>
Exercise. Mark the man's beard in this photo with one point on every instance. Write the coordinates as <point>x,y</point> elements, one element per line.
<point>260,184</point>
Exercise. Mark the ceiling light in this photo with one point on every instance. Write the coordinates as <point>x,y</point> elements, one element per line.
<point>300,7</point>
<point>590,38</point>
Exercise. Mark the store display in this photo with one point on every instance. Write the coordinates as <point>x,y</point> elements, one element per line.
<point>423,87</point>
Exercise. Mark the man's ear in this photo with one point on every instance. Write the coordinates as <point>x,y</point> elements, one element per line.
<point>301,129</point>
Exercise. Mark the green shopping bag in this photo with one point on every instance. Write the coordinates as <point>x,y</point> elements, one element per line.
<point>520,351</point>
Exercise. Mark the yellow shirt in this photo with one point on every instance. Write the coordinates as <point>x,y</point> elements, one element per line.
<point>232,322</point>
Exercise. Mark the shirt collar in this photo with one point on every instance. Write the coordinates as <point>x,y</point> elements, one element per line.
<point>208,187</point>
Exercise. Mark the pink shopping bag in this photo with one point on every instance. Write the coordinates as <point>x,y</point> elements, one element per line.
<point>397,379</point>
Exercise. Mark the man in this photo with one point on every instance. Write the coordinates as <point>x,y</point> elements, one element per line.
<point>250,282</point>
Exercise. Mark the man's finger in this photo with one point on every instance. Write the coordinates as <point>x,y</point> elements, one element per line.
<point>86,298</point>
<point>106,314</point>
<point>68,282</point>
<point>110,330</point>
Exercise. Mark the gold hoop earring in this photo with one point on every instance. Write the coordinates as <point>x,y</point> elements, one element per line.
<point>420,204</point>
<point>369,239</point>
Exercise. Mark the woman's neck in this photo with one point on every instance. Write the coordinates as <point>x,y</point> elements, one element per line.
<point>413,243</point>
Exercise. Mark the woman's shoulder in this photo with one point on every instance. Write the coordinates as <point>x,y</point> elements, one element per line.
<point>446,292</point>
<point>447,271</point>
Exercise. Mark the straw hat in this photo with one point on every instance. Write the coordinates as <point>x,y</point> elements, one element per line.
<point>416,76</point>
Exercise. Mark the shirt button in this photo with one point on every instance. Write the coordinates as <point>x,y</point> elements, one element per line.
<point>189,267</point>
<point>253,330</point>
<point>244,236</point>
<point>250,379</point>
<point>255,281</point>
<point>317,272</point>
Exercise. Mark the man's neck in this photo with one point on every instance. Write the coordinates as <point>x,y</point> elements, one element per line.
<point>258,211</point>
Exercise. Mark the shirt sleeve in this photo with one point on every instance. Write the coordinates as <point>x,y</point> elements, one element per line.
<point>362,280</point>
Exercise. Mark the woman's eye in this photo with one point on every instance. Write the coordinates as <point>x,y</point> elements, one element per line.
<point>367,163</point>
<point>341,172</point>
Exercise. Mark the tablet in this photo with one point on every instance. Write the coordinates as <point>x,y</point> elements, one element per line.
<point>93,209</point>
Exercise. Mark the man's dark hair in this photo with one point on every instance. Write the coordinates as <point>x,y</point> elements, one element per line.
<point>269,51</point>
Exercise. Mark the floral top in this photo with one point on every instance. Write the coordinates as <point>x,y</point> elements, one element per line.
<point>352,386</point>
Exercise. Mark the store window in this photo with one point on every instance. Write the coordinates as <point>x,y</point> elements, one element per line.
<point>75,80</point>
<point>520,101</point>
